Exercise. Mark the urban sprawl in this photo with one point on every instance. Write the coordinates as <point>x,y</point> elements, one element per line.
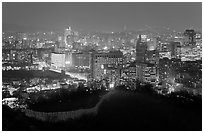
<point>169,61</point>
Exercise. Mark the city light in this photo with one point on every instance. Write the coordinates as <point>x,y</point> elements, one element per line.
<point>105,48</point>
<point>67,62</point>
<point>83,66</point>
<point>111,85</point>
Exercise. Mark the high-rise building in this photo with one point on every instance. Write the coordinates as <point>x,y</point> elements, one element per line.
<point>190,36</point>
<point>146,72</point>
<point>150,73</point>
<point>68,37</point>
<point>166,73</point>
<point>141,48</point>
<point>107,65</point>
<point>81,59</point>
<point>143,71</point>
<point>199,39</point>
<point>175,48</point>
<point>164,50</point>
<point>58,60</point>
<point>129,72</point>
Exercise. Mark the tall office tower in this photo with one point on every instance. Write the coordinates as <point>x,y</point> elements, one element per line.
<point>141,47</point>
<point>107,65</point>
<point>198,39</point>
<point>166,73</point>
<point>164,50</point>
<point>192,49</point>
<point>142,71</point>
<point>58,60</point>
<point>175,48</point>
<point>129,72</point>
<point>146,72</point>
<point>152,53</point>
<point>68,39</point>
<point>189,37</point>
<point>149,73</point>
<point>199,44</point>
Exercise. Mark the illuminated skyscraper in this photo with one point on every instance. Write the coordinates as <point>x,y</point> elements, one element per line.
<point>68,37</point>
<point>165,71</point>
<point>141,48</point>
<point>107,65</point>
<point>199,39</point>
<point>58,60</point>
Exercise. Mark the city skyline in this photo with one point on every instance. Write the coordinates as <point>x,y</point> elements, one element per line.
<point>102,66</point>
<point>104,17</point>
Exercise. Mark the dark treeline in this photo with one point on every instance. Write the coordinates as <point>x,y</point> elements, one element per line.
<point>20,74</point>
<point>63,100</point>
<point>123,109</point>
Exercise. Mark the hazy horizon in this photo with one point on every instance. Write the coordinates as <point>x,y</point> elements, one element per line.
<point>100,16</point>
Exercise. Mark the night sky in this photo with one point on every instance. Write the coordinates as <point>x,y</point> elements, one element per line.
<point>100,16</point>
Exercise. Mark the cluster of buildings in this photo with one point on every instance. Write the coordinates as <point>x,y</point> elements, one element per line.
<point>147,58</point>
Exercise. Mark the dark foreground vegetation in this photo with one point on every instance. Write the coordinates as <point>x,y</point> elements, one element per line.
<point>122,109</point>
<point>21,74</point>
<point>61,100</point>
